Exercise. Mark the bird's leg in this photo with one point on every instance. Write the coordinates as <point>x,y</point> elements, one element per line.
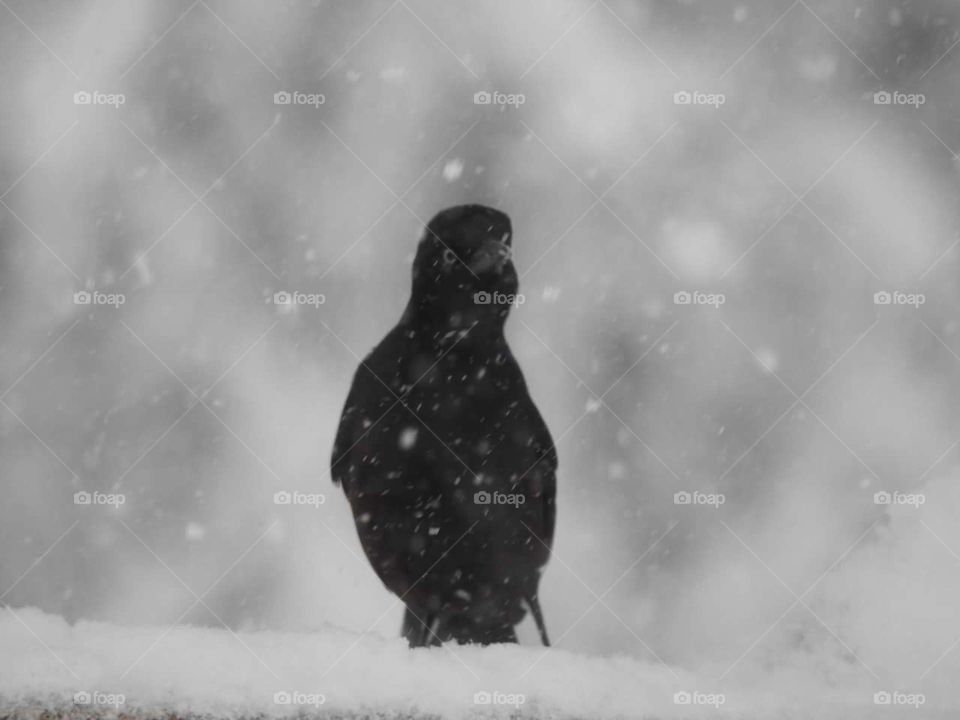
<point>419,632</point>
<point>537,613</point>
<point>431,629</point>
<point>411,627</point>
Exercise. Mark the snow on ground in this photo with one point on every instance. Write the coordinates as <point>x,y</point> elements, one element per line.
<point>202,671</point>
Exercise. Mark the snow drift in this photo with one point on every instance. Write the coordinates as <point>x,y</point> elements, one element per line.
<point>101,669</point>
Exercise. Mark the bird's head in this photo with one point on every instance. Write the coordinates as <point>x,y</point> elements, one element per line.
<point>463,272</point>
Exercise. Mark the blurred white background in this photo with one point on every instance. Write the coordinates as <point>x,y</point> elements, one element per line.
<point>196,199</point>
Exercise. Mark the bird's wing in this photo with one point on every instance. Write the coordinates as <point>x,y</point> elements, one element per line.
<point>366,402</point>
<point>369,398</point>
<point>547,462</point>
<point>347,437</point>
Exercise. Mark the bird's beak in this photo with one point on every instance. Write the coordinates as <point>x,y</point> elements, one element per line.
<point>492,255</point>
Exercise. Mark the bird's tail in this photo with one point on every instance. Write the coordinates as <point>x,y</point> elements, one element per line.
<point>537,613</point>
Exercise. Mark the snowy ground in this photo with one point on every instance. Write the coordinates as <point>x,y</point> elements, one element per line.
<point>100,669</point>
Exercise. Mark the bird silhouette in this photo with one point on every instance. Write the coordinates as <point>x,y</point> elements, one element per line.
<point>448,466</point>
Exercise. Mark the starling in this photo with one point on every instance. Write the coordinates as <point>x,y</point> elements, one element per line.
<point>448,466</point>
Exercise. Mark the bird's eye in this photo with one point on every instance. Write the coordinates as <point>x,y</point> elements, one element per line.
<point>449,257</point>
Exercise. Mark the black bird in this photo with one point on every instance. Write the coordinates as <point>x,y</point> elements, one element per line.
<point>448,466</point>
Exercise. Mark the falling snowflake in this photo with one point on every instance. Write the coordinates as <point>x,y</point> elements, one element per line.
<point>768,359</point>
<point>390,74</point>
<point>408,438</point>
<point>453,170</point>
